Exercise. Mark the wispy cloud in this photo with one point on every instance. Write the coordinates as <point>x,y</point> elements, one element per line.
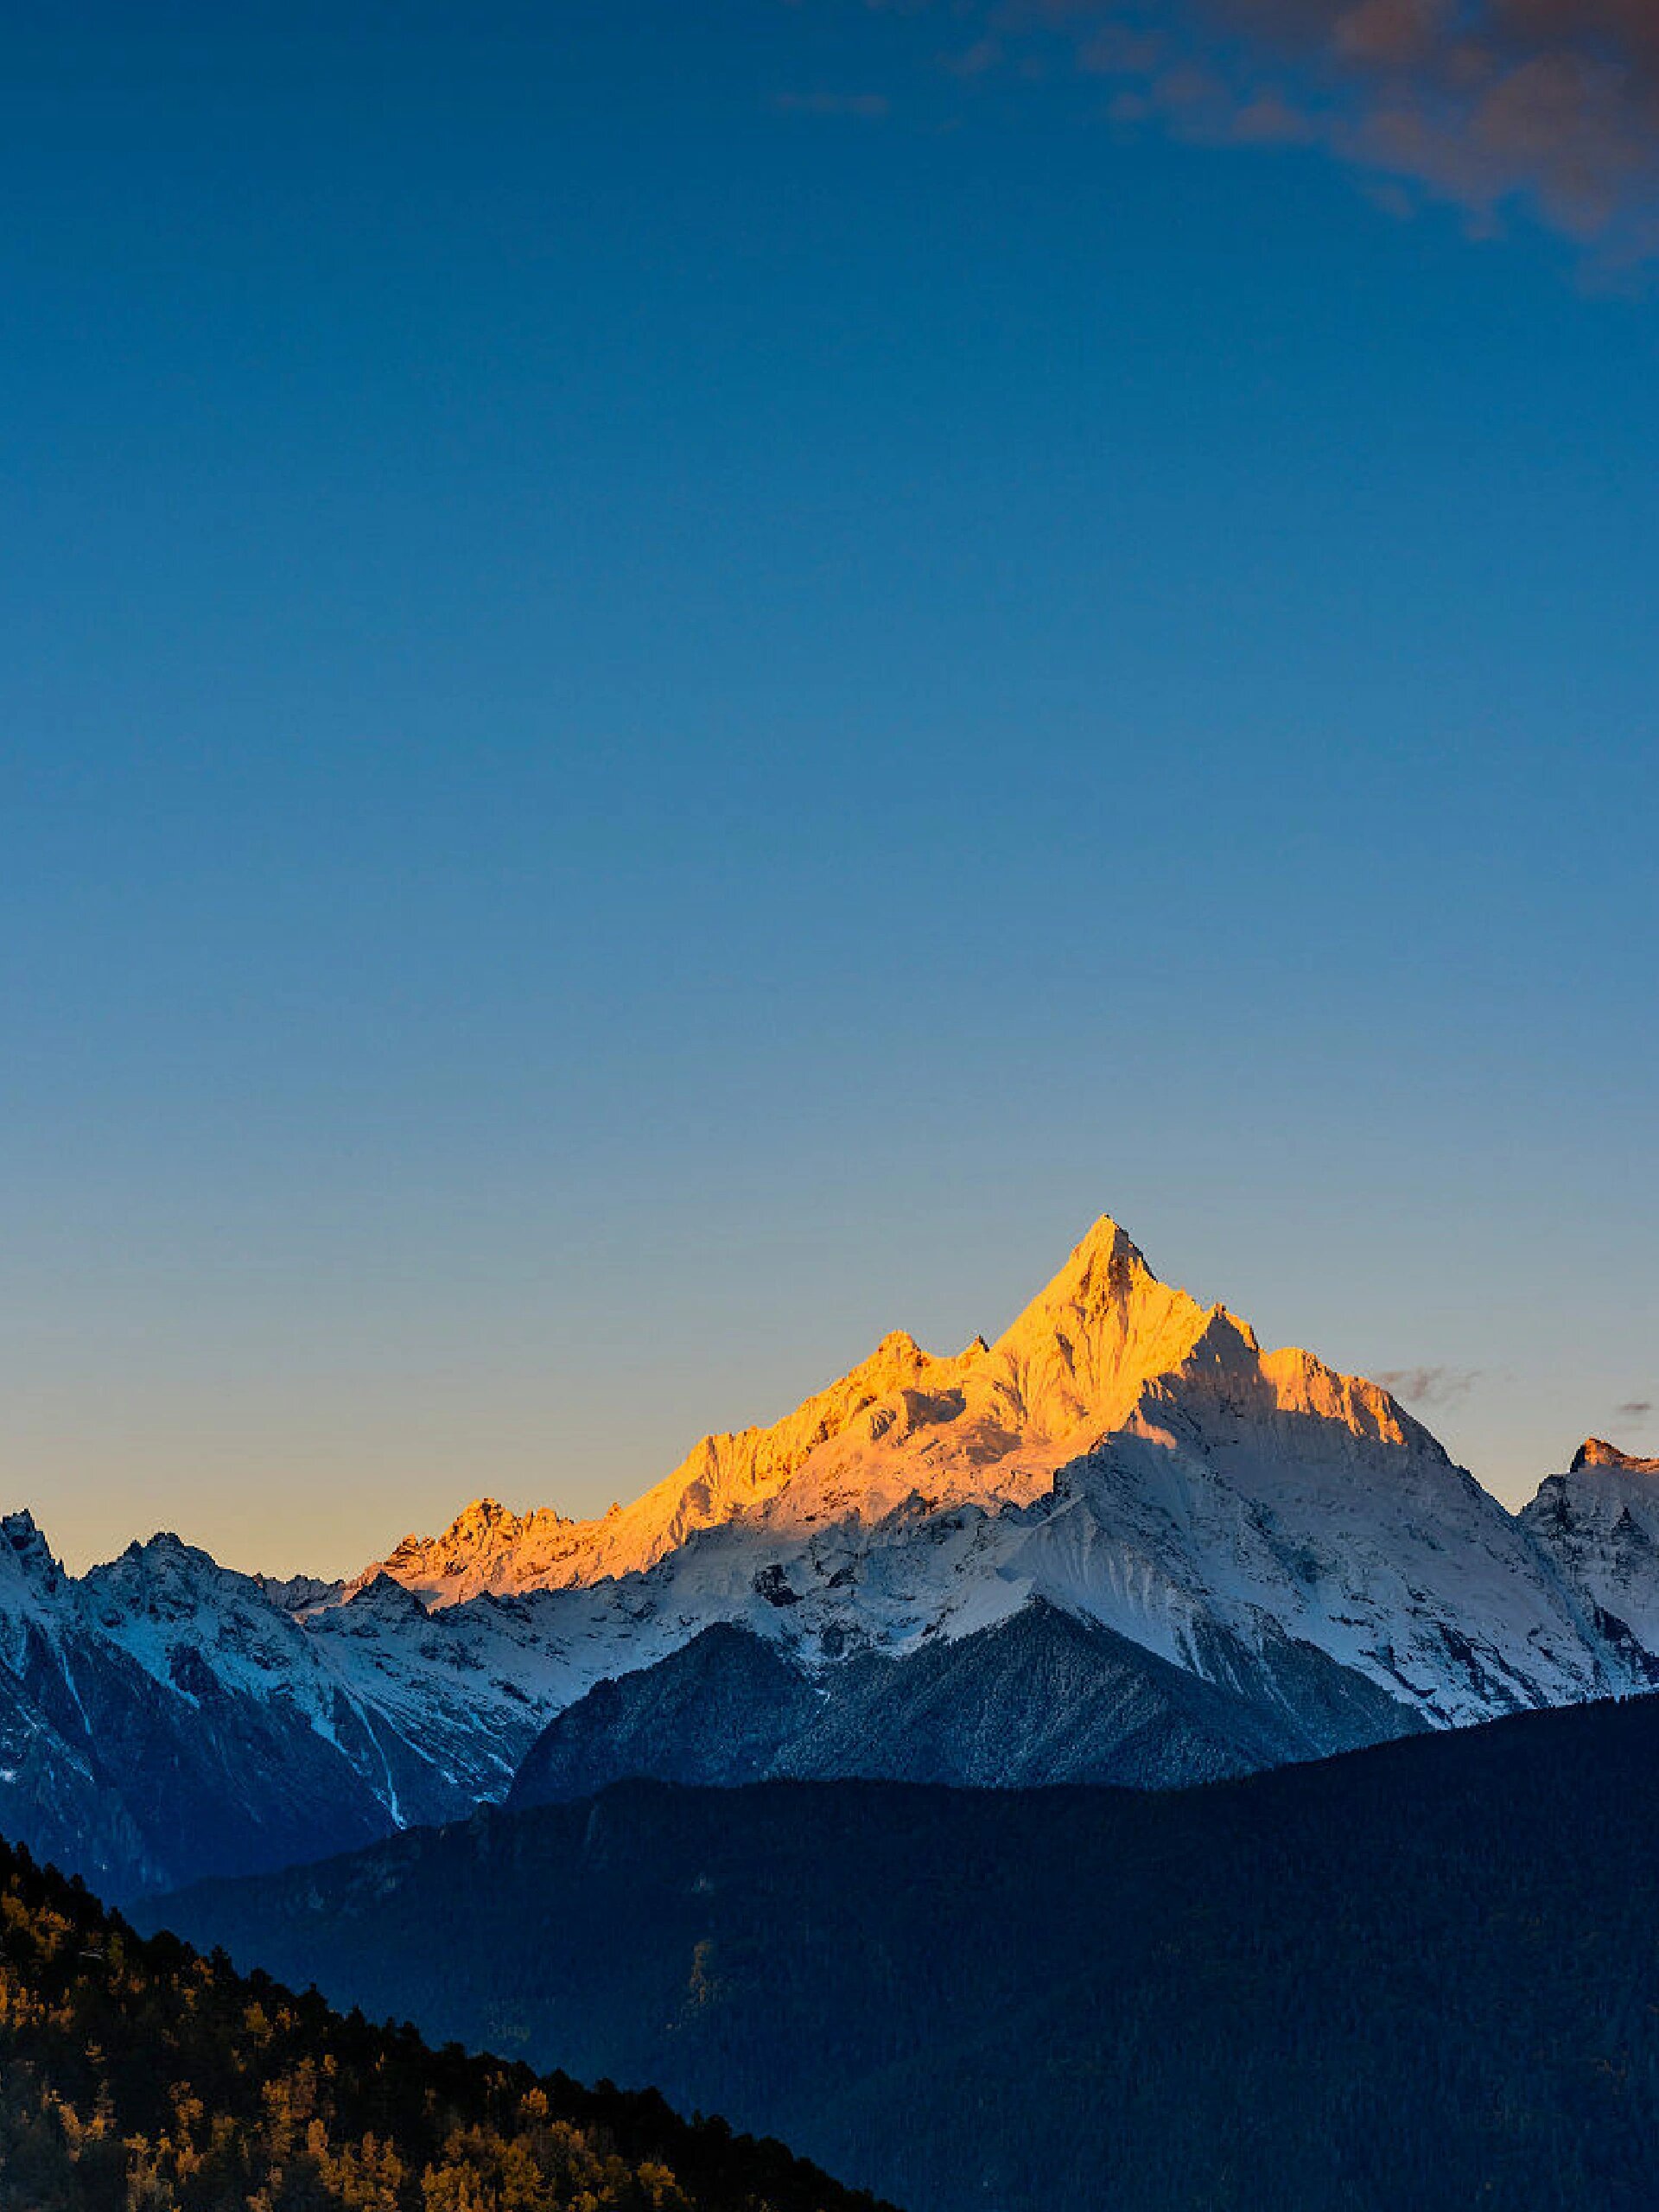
<point>1490,104</point>
<point>1428,1386</point>
<point>1634,1408</point>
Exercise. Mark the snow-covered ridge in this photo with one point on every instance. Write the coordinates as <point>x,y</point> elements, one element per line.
<point>487,1547</point>
<point>162,1716</point>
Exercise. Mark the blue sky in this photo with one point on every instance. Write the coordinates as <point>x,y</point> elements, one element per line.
<point>680,683</point>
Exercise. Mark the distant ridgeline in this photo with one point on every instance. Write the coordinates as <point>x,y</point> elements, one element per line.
<point>135,2074</point>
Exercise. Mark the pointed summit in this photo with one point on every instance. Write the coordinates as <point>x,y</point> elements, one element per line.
<point>1108,1244</point>
<point>1087,1342</point>
<point>1107,1268</point>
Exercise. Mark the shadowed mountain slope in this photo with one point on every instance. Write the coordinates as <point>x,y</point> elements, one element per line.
<point>1039,1698</point>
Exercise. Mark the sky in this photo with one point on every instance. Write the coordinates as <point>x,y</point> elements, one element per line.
<point>679,683</point>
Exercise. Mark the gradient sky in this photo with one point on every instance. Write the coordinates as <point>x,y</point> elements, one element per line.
<point>679,683</point>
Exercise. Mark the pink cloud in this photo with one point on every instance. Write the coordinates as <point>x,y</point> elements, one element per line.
<point>1491,104</point>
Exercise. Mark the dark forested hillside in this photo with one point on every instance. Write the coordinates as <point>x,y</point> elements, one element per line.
<point>1423,1975</point>
<point>136,2074</point>
<point>1040,1697</point>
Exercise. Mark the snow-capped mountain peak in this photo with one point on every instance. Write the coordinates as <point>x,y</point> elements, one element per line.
<point>1121,1452</point>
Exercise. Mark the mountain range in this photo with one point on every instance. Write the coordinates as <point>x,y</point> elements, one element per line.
<point>1122,1543</point>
